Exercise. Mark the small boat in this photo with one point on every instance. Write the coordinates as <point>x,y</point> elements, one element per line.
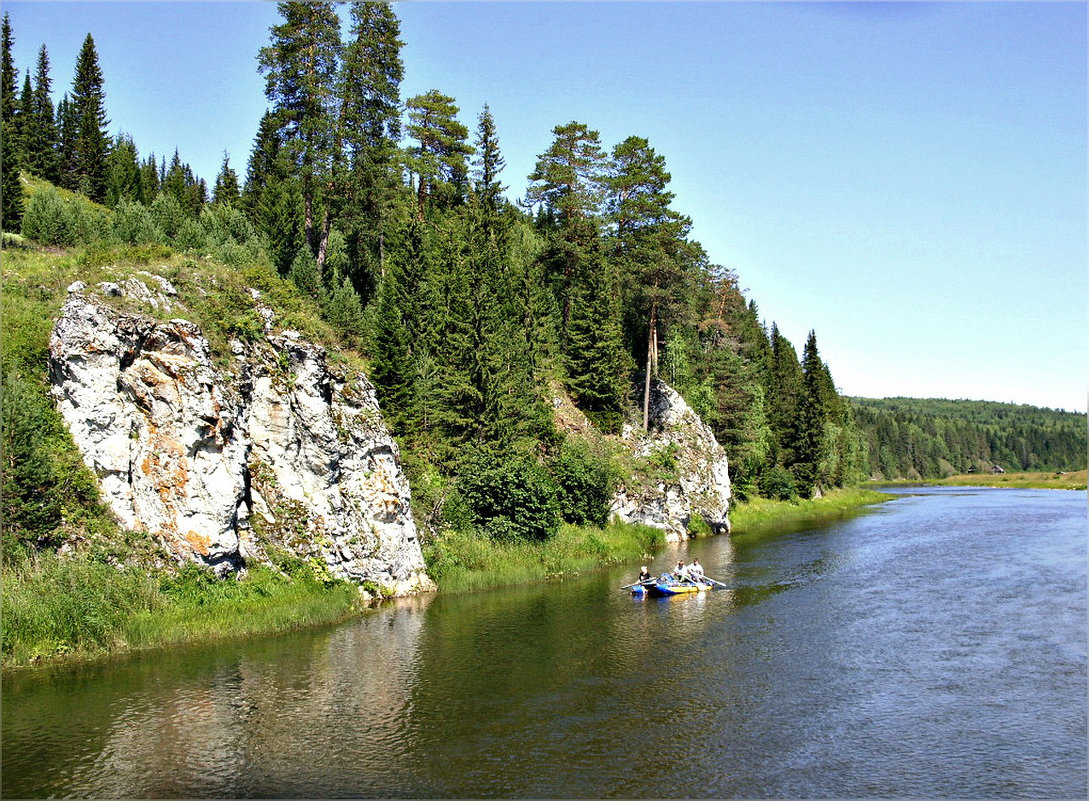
<point>668,585</point>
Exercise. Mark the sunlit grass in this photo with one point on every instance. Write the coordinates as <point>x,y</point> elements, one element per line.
<point>1075,480</point>
<point>760,514</point>
<point>460,562</point>
<point>76,607</point>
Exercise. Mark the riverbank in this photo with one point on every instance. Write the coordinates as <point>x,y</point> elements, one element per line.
<point>760,515</point>
<point>75,608</point>
<point>78,609</point>
<point>1069,480</point>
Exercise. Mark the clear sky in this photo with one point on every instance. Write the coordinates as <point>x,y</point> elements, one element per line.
<point>909,180</point>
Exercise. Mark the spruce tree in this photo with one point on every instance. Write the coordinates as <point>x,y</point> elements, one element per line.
<point>808,449</point>
<point>11,205</point>
<point>68,130</point>
<point>489,162</point>
<point>123,181</point>
<point>40,130</point>
<point>226,188</point>
<point>149,179</point>
<point>92,142</point>
<point>11,202</point>
<point>9,75</point>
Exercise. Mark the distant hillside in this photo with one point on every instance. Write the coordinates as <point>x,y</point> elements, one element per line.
<point>933,437</point>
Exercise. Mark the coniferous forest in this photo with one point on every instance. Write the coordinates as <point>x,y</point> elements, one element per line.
<point>472,309</point>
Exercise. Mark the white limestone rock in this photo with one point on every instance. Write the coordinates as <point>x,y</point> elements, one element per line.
<point>702,486</point>
<point>190,454</point>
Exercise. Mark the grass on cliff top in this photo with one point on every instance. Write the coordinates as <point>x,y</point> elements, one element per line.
<point>212,295</point>
<point>75,607</point>
<point>1051,479</point>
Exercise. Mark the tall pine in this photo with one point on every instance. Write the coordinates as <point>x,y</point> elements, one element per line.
<point>92,142</point>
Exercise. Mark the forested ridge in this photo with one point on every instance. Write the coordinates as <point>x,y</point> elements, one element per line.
<point>932,438</point>
<point>471,308</point>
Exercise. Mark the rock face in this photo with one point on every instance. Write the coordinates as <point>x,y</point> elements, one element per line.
<point>284,451</point>
<point>694,478</point>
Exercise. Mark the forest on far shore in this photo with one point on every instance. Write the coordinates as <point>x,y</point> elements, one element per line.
<point>932,438</point>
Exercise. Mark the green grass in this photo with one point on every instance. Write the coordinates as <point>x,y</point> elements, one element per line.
<point>75,607</point>
<point>460,562</point>
<point>760,515</point>
<point>1051,479</point>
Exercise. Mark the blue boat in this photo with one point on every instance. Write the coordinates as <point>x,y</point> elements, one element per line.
<point>667,585</point>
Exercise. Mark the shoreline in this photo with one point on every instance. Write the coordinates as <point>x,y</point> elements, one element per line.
<point>147,618</point>
<point>1047,479</point>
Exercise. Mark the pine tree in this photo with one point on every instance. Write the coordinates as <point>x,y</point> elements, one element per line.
<point>650,242</point>
<point>439,158</point>
<point>370,120</point>
<point>40,130</point>
<point>92,142</point>
<point>567,184</point>
<point>301,73</point>
<point>226,188</point>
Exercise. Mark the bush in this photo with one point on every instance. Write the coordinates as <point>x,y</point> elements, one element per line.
<point>584,482</point>
<point>168,215</point>
<point>134,224</point>
<point>51,219</point>
<point>778,484</point>
<point>508,501</point>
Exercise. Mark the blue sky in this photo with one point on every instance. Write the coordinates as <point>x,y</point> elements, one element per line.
<point>909,180</point>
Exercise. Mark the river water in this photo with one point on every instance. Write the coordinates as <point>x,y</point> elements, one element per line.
<point>932,646</point>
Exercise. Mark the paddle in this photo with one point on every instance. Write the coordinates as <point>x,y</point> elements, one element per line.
<point>644,582</point>
<point>715,582</point>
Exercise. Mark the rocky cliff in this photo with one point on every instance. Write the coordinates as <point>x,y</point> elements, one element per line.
<point>223,464</point>
<point>691,480</point>
<point>681,473</point>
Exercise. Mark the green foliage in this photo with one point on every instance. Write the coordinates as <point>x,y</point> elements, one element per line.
<point>505,500</point>
<point>51,218</point>
<point>777,483</point>
<point>134,224</point>
<point>584,482</point>
<point>931,438</point>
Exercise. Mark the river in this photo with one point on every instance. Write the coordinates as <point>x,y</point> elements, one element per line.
<point>931,646</point>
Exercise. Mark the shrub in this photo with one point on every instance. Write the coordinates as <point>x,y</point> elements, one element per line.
<point>134,224</point>
<point>51,219</point>
<point>509,500</point>
<point>777,483</point>
<point>584,483</point>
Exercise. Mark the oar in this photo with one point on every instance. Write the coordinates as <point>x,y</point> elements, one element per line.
<point>644,582</point>
<point>714,581</point>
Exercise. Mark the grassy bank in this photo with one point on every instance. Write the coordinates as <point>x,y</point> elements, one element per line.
<point>760,515</point>
<point>1075,480</point>
<point>77,608</point>
<point>459,562</point>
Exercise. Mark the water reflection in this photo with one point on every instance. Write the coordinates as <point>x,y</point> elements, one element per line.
<point>896,654</point>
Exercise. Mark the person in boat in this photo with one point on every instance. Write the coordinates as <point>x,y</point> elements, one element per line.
<point>695,570</point>
<point>644,574</point>
<point>681,573</point>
